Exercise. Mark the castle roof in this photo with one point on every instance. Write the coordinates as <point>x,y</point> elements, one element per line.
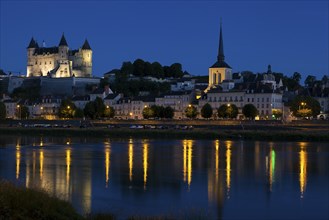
<point>63,41</point>
<point>33,44</point>
<point>86,45</point>
<point>45,50</point>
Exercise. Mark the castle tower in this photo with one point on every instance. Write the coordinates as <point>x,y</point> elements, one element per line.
<point>86,59</point>
<point>63,48</point>
<point>65,66</point>
<point>220,70</point>
<point>30,51</point>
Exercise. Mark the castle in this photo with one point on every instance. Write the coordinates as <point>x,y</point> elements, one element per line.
<point>58,62</point>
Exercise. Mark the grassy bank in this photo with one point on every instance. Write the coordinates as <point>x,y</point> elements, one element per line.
<point>263,133</point>
<point>20,203</point>
<point>17,202</point>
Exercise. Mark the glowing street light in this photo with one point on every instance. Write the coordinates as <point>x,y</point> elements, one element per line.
<point>19,111</point>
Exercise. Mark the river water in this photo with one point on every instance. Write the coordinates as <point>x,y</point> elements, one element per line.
<point>177,178</point>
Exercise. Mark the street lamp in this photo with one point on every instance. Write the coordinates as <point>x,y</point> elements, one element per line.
<point>302,104</point>
<point>19,111</point>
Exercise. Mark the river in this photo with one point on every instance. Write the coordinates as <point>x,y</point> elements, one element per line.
<point>178,178</point>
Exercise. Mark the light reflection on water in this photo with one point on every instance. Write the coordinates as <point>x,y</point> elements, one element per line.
<point>154,177</point>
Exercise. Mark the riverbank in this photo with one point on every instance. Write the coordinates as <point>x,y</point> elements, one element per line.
<point>230,132</point>
<point>18,202</point>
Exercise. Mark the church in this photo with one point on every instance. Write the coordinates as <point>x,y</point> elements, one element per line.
<point>60,61</point>
<point>220,71</point>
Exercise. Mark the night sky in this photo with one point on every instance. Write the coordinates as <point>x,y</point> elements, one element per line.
<point>289,35</point>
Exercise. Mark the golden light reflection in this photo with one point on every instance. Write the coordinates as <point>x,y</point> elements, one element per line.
<point>187,160</point>
<point>68,164</point>
<point>145,161</point>
<point>184,159</point>
<point>18,156</point>
<point>303,170</point>
<point>41,158</point>
<point>33,164</point>
<point>217,158</point>
<point>131,158</point>
<point>107,163</point>
<point>228,166</point>
<point>18,161</point>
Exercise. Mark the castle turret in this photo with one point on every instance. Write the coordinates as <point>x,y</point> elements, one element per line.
<point>63,48</point>
<point>65,66</point>
<point>220,70</point>
<point>86,59</point>
<point>30,51</point>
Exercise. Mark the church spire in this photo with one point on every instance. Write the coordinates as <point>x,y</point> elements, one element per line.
<point>220,56</point>
<point>63,41</point>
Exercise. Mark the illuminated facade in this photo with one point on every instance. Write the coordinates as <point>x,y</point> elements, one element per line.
<point>59,61</point>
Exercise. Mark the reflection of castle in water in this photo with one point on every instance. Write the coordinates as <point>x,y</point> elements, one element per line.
<point>68,173</point>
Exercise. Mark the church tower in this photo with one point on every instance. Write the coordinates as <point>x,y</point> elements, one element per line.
<point>87,54</point>
<point>220,70</point>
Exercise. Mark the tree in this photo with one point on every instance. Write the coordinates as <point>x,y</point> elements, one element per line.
<point>206,111</point>
<point>78,113</point>
<point>168,112</point>
<point>221,111</point>
<point>66,109</point>
<point>99,107</point>
<point>296,76</point>
<point>127,68</point>
<point>299,105</point>
<point>250,111</point>
<point>157,70</point>
<point>3,112</point>
<point>176,70</point>
<point>309,81</point>
<point>148,112</point>
<point>324,79</point>
<point>228,111</point>
<point>109,112</point>
<point>148,68</point>
<point>277,113</point>
<point>90,110</point>
<point>191,112</point>
<point>139,67</point>
<point>25,113</point>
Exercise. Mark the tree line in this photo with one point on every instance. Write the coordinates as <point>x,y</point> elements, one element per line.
<point>142,68</point>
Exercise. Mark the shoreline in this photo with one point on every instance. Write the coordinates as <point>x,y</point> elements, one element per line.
<point>259,133</point>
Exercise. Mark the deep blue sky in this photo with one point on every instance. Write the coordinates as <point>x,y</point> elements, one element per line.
<point>289,35</point>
